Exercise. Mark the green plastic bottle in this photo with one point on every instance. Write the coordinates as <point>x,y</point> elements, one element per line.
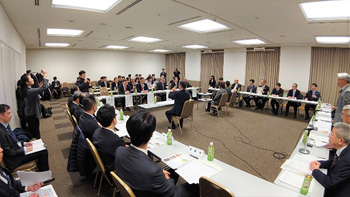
<point>121,115</point>
<point>98,102</point>
<point>306,184</point>
<point>152,90</point>
<point>268,93</point>
<point>155,99</point>
<point>111,93</point>
<point>169,137</point>
<point>305,137</point>
<point>319,104</point>
<point>211,152</point>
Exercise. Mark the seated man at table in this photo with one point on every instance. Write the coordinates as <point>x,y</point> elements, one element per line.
<point>105,139</point>
<point>180,98</point>
<point>174,83</point>
<point>311,95</point>
<point>79,109</point>
<point>124,89</point>
<point>277,91</point>
<point>161,85</point>
<point>70,98</point>
<point>221,80</point>
<point>143,88</point>
<point>75,103</point>
<point>115,84</point>
<point>88,123</point>
<point>236,86</point>
<point>251,88</point>
<point>228,90</point>
<point>337,180</point>
<point>217,98</point>
<point>260,101</point>
<point>138,171</point>
<point>293,93</point>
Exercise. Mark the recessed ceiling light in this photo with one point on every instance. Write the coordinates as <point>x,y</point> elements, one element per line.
<point>326,10</point>
<point>64,32</point>
<point>57,44</point>
<point>249,42</point>
<point>87,5</point>
<point>195,46</point>
<point>333,39</point>
<point>161,50</point>
<point>204,26</point>
<point>145,39</point>
<point>116,47</point>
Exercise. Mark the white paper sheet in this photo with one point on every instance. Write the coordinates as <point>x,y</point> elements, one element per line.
<point>110,100</point>
<point>150,98</point>
<point>128,100</point>
<point>259,89</point>
<point>38,145</point>
<point>294,179</point>
<point>296,166</point>
<point>176,160</point>
<point>194,93</point>
<point>30,178</point>
<point>46,191</point>
<point>323,126</point>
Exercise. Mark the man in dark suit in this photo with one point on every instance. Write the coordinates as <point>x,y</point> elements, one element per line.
<point>163,73</point>
<point>142,86</point>
<point>56,88</point>
<point>276,92</point>
<point>337,180</point>
<point>228,90</point>
<point>14,150</point>
<point>250,88</point>
<point>75,103</point>
<point>82,83</point>
<point>103,82</point>
<point>236,86</point>
<point>70,98</point>
<point>260,101</point>
<point>105,139</point>
<point>311,95</point>
<point>177,74</point>
<point>221,80</point>
<point>138,171</point>
<point>10,186</point>
<point>180,98</point>
<point>293,93</point>
<point>174,83</point>
<point>217,98</point>
<point>124,89</point>
<point>115,84</point>
<point>79,110</point>
<point>161,85</point>
<point>87,121</point>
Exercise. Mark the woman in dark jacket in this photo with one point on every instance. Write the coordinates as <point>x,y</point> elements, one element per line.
<point>212,82</point>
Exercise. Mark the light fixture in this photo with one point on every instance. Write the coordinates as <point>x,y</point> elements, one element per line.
<point>326,10</point>
<point>249,42</point>
<point>87,5</point>
<point>57,44</point>
<point>195,46</point>
<point>116,47</point>
<point>161,50</point>
<point>204,26</point>
<point>145,39</point>
<point>64,32</point>
<point>333,39</point>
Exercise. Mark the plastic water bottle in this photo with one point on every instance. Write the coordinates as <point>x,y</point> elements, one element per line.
<point>268,93</point>
<point>111,93</point>
<point>306,184</point>
<point>98,102</point>
<point>121,114</point>
<point>305,137</point>
<point>319,104</point>
<point>169,137</point>
<point>211,152</point>
<point>155,99</point>
<point>152,90</point>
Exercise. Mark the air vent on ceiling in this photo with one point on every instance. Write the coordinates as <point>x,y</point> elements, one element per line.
<point>184,20</point>
<point>257,49</point>
<point>36,2</point>
<point>89,33</point>
<point>74,45</point>
<point>39,36</point>
<point>128,37</point>
<point>128,7</point>
<point>213,51</point>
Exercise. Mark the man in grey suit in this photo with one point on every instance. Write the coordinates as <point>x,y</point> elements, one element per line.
<point>217,97</point>
<point>138,171</point>
<point>344,97</point>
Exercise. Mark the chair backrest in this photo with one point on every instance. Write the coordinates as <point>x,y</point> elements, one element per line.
<point>91,91</point>
<point>187,109</point>
<point>70,118</point>
<point>233,98</point>
<point>223,99</point>
<point>74,121</point>
<point>124,189</point>
<point>67,106</point>
<point>96,156</point>
<point>104,91</point>
<point>210,188</point>
<point>64,84</point>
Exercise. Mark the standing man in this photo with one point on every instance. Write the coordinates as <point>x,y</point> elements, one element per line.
<point>276,92</point>
<point>337,180</point>
<point>180,98</point>
<point>311,95</point>
<point>259,101</point>
<point>177,74</point>
<point>163,73</point>
<point>251,88</point>
<point>293,93</point>
<point>82,83</point>
<point>344,97</point>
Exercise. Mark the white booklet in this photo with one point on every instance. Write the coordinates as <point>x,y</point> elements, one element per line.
<point>30,178</point>
<point>45,191</point>
<point>38,145</point>
<point>176,160</point>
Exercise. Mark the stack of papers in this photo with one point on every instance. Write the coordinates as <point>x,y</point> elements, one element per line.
<point>30,178</point>
<point>299,164</point>
<point>319,141</point>
<point>195,169</point>
<point>176,160</point>
<point>324,116</point>
<point>323,126</point>
<point>45,191</point>
<point>38,145</point>
<point>294,179</point>
<point>154,143</point>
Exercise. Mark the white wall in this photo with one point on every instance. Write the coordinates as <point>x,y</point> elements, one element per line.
<point>12,63</point>
<point>193,65</point>
<point>66,63</point>
<point>295,67</point>
<point>235,66</point>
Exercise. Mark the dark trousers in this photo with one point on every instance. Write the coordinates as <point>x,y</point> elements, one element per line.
<point>34,126</point>
<point>260,102</point>
<point>57,93</point>
<point>171,113</point>
<point>23,122</point>
<point>247,100</point>
<point>295,105</point>
<point>275,106</point>
<point>41,157</point>
<point>307,108</point>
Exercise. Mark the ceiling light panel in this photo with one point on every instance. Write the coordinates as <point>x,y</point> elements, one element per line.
<point>87,5</point>
<point>116,47</point>
<point>195,46</point>
<point>204,26</point>
<point>57,44</point>
<point>64,32</point>
<point>249,42</point>
<point>161,51</point>
<point>145,39</point>
<point>326,10</point>
<point>333,39</point>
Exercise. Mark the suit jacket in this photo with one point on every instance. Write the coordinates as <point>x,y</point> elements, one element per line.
<point>121,89</point>
<point>103,84</point>
<point>54,84</point>
<point>173,84</point>
<point>144,177</point>
<point>180,98</point>
<point>212,83</point>
<point>188,85</point>
<point>216,99</point>
<point>16,189</point>
<point>337,180</point>
<point>32,102</point>
<point>160,86</point>
<point>238,87</point>
<point>78,111</point>
<point>297,94</point>
<point>229,92</point>
<point>12,151</point>
<point>265,90</point>
<point>106,143</point>
<point>114,86</point>
<point>163,74</point>
<point>88,125</point>
<point>139,87</point>
<point>83,87</point>
<point>251,87</point>
<point>278,92</point>
<point>344,99</point>
<point>72,108</point>
<point>310,93</point>
<point>177,74</point>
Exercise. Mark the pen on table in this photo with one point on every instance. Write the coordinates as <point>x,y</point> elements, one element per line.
<point>194,157</point>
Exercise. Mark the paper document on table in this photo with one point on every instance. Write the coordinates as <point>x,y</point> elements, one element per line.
<point>150,98</point>
<point>176,160</point>
<point>30,178</point>
<point>110,100</point>
<point>45,191</point>
<point>296,166</point>
<point>154,143</point>
<point>306,158</point>
<point>38,145</point>
<point>194,93</point>
<point>294,179</point>
<point>323,126</point>
<point>320,141</point>
<point>193,170</point>
<point>324,116</point>
<point>167,95</point>
<point>259,89</point>
<point>128,100</point>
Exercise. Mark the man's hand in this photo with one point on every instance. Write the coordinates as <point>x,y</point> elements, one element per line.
<point>86,80</point>
<point>29,148</point>
<point>166,173</point>
<point>314,165</point>
<point>34,195</point>
<point>145,91</point>
<point>41,83</point>
<point>306,99</point>
<point>173,90</point>
<point>35,187</point>
<point>127,92</point>
<point>334,107</point>
<point>313,96</point>
<point>329,146</point>
<point>28,144</point>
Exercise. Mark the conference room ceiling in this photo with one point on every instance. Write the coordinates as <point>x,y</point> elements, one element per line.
<point>276,22</point>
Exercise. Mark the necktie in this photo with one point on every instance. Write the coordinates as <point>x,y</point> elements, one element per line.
<point>293,93</point>
<point>163,85</point>
<point>13,136</point>
<point>124,88</point>
<point>335,159</point>
<point>142,87</point>
<point>7,177</point>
